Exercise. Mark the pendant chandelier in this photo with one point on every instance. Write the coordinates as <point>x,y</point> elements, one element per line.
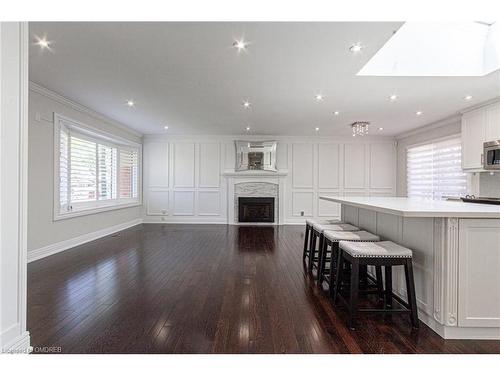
<point>360,128</point>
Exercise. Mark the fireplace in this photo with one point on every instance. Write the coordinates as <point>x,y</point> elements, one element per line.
<point>256,209</point>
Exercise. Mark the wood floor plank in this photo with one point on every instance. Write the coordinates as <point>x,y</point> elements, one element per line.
<point>204,289</point>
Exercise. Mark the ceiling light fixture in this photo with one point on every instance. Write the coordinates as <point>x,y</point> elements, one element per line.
<point>165,127</point>
<point>393,97</point>
<point>130,103</point>
<point>247,104</point>
<point>319,97</point>
<point>356,47</point>
<point>240,45</point>
<point>468,97</point>
<point>419,113</point>
<point>380,129</point>
<point>43,43</point>
<point>247,128</point>
<point>360,128</point>
<point>317,129</point>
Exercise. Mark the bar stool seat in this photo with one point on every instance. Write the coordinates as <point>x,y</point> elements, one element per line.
<point>384,249</point>
<point>379,254</point>
<point>360,235</point>
<point>332,238</point>
<point>336,227</point>
<point>311,222</point>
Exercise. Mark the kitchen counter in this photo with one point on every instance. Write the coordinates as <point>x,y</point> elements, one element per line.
<point>415,207</point>
<point>456,258</point>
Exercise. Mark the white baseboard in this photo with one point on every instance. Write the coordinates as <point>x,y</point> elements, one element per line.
<point>72,242</point>
<point>19,345</point>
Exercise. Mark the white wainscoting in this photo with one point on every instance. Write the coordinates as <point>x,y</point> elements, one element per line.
<point>185,178</point>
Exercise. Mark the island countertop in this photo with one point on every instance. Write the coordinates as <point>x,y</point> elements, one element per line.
<point>416,207</point>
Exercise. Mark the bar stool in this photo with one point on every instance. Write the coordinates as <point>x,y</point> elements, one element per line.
<point>317,235</point>
<point>385,254</point>
<point>307,238</point>
<point>332,239</point>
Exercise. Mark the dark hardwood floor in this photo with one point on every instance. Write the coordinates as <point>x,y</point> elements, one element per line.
<point>204,289</point>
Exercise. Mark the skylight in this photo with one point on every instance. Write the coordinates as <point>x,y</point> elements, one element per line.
<point>438,49</point>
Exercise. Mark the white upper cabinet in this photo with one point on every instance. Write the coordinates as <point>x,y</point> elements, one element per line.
<point>493,122</point>
<point>478,126</point>
<point>473,137</point>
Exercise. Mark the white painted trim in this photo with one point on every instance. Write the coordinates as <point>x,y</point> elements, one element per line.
<point>24,339</point>
<point>433,125</point>
<point>480,105</point>
<point>76,241</point>
<point>34,87</point>
<point>19,345</point>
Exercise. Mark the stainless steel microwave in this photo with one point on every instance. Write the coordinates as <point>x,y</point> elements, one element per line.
<point>491,156</point>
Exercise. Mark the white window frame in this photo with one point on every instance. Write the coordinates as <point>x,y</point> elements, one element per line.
<point>104,138</point>
<point>423,143</point>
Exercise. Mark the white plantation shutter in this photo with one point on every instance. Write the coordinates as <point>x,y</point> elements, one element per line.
<point>434,170</point>
<point>94,172</point>
<point>83,176</point>
<point>106,157</point>
<point>63,167</point>
<point>128,173</point>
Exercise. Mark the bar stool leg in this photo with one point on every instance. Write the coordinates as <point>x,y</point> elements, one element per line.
<point>388,285</point>
<point>410,290</point>
<point>380,283</point>
<point>312,250</point>
<point>306,242</point>
<point>322,259</point>
<point>338,277</point>
<point>353,302</point>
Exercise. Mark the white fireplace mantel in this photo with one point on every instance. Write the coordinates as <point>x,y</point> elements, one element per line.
<point>233,178</point>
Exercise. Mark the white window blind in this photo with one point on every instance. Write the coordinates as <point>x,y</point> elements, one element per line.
<point>93,172</point>
<point>434,170</point>
<point>128,173</point>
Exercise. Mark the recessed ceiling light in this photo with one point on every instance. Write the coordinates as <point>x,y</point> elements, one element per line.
<point>336,113</point>
<point>419,113</point>
<point>240,45</point>
<point>319,97</point>
<point>247,104</point>
<point>317,129</point>
<point>165,127</point>
<point>247,128</point>
<point>468,97</point>
<point>130,103</point>
<point>393,97</point>
<point>356,47</point>
<point>43,43</point>
<point>380,129</point>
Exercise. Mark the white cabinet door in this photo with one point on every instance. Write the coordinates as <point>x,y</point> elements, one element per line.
<point>493,122</point>
<point>473,136</point>
<point>479,273</point>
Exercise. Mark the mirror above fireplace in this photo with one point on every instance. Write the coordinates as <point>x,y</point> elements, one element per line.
<point>256,155</point>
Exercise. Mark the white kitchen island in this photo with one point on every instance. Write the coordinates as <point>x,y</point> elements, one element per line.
<point>456,258</point>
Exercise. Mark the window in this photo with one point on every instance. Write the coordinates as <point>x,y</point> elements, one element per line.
<point>95,171</point>
<point>434,170</point>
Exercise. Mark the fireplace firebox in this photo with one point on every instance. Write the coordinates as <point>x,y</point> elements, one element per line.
<point>256,209</point>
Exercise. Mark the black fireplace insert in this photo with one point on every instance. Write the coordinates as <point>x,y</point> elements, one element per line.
<point>256,209</point>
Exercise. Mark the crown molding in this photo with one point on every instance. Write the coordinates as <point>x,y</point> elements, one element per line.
<point>35,87</point>
<point>480,105</point>
<point>433,125</point>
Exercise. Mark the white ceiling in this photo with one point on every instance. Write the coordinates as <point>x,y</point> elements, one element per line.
<point>187,76</point>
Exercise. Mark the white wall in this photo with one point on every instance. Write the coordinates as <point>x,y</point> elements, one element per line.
<point>43,232</point>
<point>13,184</point>
<point>441,129</point>
<point>184,182</point>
